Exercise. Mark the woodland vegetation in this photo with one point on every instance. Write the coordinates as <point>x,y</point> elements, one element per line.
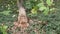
<point>29,16</point>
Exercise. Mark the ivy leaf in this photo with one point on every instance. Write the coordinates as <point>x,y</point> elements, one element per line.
<point>46,11</point>
<point>49,2</point>
<point>34,11</point>
<point>40,4</point>
<point>42,8</point>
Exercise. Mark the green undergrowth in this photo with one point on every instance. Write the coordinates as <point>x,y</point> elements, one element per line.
<point>52,26</point>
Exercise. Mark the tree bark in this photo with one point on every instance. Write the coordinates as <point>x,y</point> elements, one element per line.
<point>22,18</point>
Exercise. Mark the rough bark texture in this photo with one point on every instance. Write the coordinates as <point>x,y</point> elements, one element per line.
<point>22,18</point>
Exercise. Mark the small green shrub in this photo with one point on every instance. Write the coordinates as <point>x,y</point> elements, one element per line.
<point>3,29</point>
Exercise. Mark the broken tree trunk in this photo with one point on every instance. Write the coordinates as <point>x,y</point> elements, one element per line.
<point>22,18</point>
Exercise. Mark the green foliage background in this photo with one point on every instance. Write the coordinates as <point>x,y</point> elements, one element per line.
<point>36,9</point>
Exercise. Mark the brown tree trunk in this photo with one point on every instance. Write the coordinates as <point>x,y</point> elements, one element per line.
<point>22,18</point>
